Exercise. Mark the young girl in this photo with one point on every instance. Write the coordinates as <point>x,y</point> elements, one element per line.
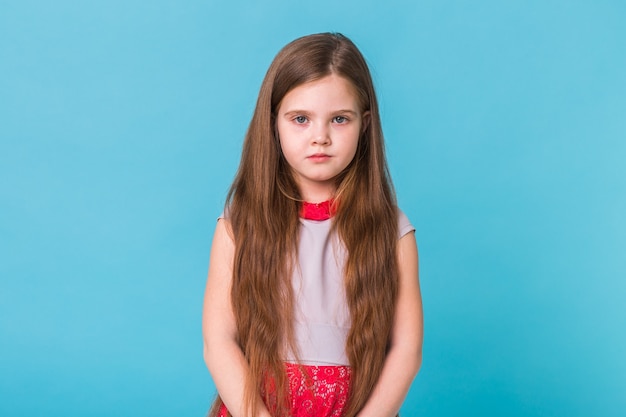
<point>312,304</point>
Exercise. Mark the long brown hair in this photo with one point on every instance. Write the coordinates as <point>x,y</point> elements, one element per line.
<point>262,206</point>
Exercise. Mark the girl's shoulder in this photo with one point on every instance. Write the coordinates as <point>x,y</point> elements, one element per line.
<point>404,224</point>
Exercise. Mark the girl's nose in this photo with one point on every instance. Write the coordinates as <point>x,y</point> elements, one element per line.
<point>321,135</point>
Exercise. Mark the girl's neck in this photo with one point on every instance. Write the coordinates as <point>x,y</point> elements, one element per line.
<point>317,200</point>
<point>316,196</point>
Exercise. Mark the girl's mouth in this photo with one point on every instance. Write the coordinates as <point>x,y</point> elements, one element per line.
<point>319,157</point>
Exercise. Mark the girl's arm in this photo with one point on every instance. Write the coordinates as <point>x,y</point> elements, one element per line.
<point>405,352</point>
<point>222,353</point>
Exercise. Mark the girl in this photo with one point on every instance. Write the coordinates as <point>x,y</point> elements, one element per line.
<point>312,304</point>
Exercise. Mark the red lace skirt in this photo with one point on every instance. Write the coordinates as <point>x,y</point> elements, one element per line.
<point>321,392</point>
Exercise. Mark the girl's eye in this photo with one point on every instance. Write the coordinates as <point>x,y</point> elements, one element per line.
<point>300,119</point>
<point>340,119</point>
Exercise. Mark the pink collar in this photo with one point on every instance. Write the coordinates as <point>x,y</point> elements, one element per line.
<point>318,211</point>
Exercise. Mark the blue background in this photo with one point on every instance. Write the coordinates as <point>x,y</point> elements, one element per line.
<point>121,124</point>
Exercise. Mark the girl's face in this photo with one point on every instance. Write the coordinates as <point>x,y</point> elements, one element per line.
<point>319,124</point>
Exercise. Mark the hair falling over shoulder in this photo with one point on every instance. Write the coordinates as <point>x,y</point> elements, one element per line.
<point>263,205</point>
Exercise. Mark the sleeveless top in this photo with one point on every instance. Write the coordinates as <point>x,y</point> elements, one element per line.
<point>321,316</point>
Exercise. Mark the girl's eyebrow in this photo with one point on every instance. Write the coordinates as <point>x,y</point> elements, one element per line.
<point>293,112</point>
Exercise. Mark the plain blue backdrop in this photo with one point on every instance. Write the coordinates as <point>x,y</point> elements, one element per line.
<point>121,124</point>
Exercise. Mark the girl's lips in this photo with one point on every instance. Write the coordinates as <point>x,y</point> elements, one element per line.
<point>319,157</point>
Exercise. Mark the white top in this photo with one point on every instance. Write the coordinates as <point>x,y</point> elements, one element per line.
<point>321,316</point>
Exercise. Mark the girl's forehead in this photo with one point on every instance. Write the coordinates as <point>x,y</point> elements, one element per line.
<point>329,91</point>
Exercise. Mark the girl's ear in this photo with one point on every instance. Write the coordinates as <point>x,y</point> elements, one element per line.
<point>365,121</point>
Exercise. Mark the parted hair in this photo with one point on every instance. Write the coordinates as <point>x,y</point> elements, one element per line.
<point>263,206</point>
